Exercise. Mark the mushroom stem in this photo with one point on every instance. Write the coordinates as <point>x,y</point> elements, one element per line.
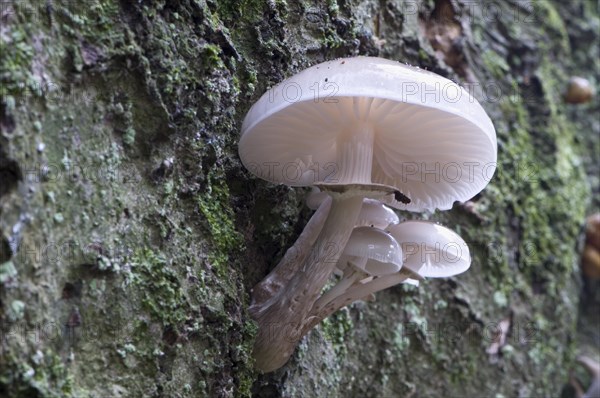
<point>293,258</point>
<point>351,275</point>
<point>355,149</point>
<point>356,292</point>
<point>281,318</point>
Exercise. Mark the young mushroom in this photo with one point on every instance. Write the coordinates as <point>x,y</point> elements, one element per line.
<point>373,213</point>
<point>358,128</point>
<point>431,250</point>
<point>370,252</point>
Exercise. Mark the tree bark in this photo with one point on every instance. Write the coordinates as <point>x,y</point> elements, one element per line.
<point>131,234</point>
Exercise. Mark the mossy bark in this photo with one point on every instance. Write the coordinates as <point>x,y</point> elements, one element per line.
<point>132,235</point>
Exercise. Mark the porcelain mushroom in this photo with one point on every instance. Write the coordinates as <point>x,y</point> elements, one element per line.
<point>431,250</point>
<point>315,198</point>
<point>369,252</point>
<point>372,120</point>
<point>373,213</point>
<point>359,128</point>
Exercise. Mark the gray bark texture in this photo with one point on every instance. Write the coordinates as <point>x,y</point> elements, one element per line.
<point>131,235</point>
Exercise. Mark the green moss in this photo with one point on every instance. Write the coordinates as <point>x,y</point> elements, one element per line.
<point>16,55</point>
<point>52,377</point>
<point>211,56</point>
<point>547,192</point>
<point>45,376</point>
<point>546,14</point>
<point>401,341</point>
<point>246,10</point>
<point>500,299</point>
<point>336,330</point>
<point>529,179</point>
<point>159,287</point>
<point>333,8</point>
<point>197,67</point>
<point>218,214</point>
<point>423,55</point>
<point>528,251</point>
<point>331,39</point>
<point>7,272</point>
<point>495,64</point>
<point>129,137</point>
<point>16,310</point>
<point>93,21</point>
<point>130,111</point>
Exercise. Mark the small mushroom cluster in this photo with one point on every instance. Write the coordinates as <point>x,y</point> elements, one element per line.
<point>382,252</point>
<point>364,132</point>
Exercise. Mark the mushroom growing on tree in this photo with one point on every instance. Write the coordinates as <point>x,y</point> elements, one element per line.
<point>431,250</point>
<point>373,213</point>
<point>369,252</point>
<point>357,128</point>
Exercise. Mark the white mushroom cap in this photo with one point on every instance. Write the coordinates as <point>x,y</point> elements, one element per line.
<point>430,138</point>
<point>373,251</point>
<point>431,250</point>
<point>373,213</point>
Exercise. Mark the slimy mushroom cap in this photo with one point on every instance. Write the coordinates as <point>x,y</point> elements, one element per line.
<point>379,252</point>
<point>431,250</point>
<point>371,120</point>
<point>373,213</point>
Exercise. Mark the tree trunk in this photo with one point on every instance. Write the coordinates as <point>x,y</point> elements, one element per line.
<point>131,235</point>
